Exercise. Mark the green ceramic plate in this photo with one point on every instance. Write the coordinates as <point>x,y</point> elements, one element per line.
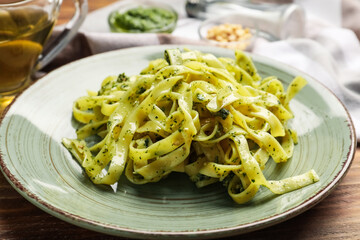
<point>42,170</point>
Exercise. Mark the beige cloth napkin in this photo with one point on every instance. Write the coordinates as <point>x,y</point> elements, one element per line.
<point>86,44</point>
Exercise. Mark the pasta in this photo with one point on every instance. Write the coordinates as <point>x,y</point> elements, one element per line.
<point>212,118</point>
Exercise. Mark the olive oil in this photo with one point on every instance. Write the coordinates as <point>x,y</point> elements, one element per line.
<point>23,33</point>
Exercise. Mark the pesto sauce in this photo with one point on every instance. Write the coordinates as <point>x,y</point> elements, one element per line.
<point>143,19</point>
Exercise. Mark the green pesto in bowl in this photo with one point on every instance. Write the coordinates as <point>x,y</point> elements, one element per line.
<point>143,18</point>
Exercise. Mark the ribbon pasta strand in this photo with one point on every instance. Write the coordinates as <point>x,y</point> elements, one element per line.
<point>215,119</point>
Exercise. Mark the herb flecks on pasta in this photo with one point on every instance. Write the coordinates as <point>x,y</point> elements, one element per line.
<point>212,118</point>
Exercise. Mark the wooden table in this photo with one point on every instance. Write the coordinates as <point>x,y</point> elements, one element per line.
<point>336,217</point>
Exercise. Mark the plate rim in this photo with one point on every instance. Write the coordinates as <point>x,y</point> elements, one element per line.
<point>210,233</point>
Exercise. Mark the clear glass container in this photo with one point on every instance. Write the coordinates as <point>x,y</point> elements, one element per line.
<point>273,21</point>
<point>228,32</point>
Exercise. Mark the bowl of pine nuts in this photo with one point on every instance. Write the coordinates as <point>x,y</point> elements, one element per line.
<point>228,32</point>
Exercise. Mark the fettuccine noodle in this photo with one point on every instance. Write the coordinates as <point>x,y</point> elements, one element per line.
<point>214,119</point>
